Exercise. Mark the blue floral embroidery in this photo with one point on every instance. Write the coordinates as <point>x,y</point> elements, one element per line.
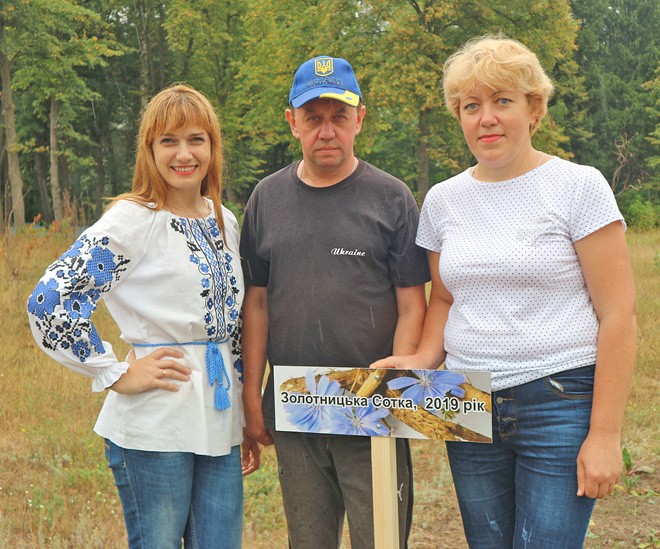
<point>213,230</point>
<point>66,297</point>
<point>74,250</point>
<point>101,265</point>
<point>219,287</point>
<point>78,306</point>
<point>81,350</point>
<point>44,299</point>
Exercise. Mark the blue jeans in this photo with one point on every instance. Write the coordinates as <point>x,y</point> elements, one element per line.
<point>520,491</point>
<point>167,496</point>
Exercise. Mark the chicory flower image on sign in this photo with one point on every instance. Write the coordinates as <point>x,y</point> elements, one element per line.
<point>309,415</point>
<point>427,404</point>
<point>362,421</point>
<point>429,383</point>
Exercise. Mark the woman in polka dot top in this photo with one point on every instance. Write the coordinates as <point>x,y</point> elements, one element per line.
<point>531,282</point>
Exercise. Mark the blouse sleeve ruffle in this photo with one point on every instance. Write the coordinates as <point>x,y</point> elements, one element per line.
<point>61,305</point>
<point>106,376</point>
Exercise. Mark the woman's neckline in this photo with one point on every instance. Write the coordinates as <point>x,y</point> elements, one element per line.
<point>209,213</point>
<point>549,158</point>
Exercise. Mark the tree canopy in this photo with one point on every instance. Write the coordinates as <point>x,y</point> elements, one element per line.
<point>76,73</point>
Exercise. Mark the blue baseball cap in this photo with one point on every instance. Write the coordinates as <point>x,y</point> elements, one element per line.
<point>326,77</point>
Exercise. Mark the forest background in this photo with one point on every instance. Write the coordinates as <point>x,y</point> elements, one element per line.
<point>75,75</point>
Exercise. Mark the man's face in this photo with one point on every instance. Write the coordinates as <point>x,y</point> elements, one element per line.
<point>326,129</point>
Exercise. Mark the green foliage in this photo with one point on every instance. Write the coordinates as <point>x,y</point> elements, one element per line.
<point>52,40</point>
<point>639,212</point>
<point>103,59</point>
<point>618,51</point>
<point>628,477</point>
<point>55,47</point>
<point>397,50</point>
<point>653,541</point>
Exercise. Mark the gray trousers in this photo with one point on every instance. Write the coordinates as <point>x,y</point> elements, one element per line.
<point>322,477</point>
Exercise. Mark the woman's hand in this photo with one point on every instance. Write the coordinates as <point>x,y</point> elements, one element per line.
<point>250,454</point>
<point>599,465</point>
<point>151,372</point>
<point>406,362</point>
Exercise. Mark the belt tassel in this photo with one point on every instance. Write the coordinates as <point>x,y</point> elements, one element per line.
<point>215,366</point>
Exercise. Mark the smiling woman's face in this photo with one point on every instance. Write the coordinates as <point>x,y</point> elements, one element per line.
<point>182,157</point>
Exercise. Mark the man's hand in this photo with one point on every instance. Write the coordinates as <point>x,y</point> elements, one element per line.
<point>250,454</point>
<point>254,421</point>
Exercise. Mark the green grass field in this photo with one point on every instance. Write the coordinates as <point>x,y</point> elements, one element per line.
<point>55,489</point>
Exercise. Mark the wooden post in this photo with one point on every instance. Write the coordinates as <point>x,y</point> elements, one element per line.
<point>386,501</point>
<point>384,479</point>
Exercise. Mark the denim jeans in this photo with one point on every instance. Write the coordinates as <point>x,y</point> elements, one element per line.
<point>520,491</point>
<point>167,496</point>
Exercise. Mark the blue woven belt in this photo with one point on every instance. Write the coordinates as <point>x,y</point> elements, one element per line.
<point>215,367</point>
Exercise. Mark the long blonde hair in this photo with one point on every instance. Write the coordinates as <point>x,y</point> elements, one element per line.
<point>170,110</point>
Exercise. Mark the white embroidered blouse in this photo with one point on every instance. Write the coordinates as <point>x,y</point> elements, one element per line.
<point>166,280</point>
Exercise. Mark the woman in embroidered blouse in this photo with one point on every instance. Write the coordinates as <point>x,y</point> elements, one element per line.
<point>531,280</point>
<point>165,259</point>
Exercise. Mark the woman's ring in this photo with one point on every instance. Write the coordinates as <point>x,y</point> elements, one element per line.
<point>163,374</point>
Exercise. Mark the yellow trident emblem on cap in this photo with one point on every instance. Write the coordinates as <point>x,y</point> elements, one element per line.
<point>323,67</point>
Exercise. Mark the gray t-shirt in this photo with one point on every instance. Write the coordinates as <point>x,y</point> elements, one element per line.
<point>331,258</point>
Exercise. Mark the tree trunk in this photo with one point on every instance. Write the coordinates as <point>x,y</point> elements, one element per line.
<point>116,154</point>
<point>58,210</point>
<point>42,180</point>
<point>65,186</point>
<point>100,179</point>
<point>146,64</point>
<point>228,191</point>
<point>161,46</point>
<point>423,155</point>
<point>5,197</point>
<point>16,182</point>
<point>3,180</point>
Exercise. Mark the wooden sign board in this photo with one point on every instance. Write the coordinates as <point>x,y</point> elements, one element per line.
<point>425,404</point>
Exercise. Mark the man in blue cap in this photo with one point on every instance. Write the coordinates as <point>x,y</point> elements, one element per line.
<point>333,278</point>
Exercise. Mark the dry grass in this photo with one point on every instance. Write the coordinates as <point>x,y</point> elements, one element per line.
<point>641,430</point>
<point>55,489</point>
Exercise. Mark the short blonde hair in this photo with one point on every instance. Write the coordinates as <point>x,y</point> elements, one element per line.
<point>499,63</point>
<point>170,110</point>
